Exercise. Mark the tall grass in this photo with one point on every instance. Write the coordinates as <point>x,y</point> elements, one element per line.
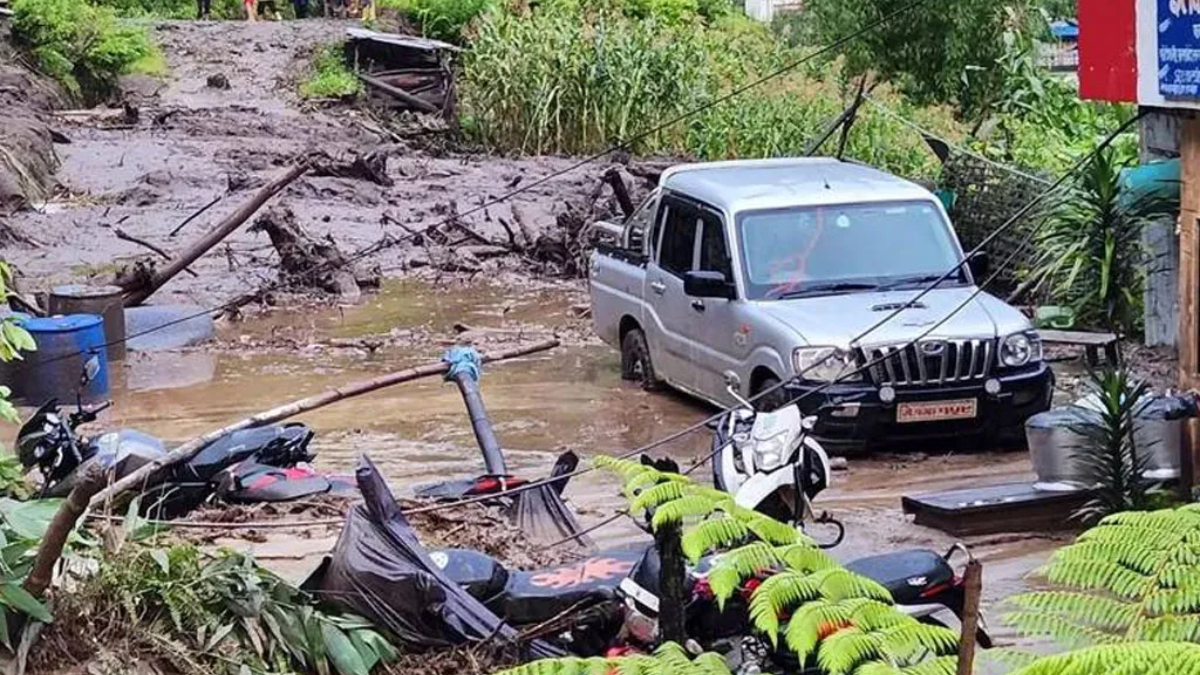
<point>571,79</point>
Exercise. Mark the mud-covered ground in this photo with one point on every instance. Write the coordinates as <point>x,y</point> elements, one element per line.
<point>193,142</point>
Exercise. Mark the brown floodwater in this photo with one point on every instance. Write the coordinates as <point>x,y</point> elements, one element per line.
<point>569,398</point>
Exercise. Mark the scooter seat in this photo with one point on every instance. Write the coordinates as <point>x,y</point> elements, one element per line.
<point>905,573</point>
<point>530,597</point>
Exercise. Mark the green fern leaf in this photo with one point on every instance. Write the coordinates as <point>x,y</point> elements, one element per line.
<point>1183,628</point>
<point>710,664</point>
<point>1062,630</point>
<point>675,511</point>
<point>714,533</point>
<point>811,621</point>
<point>1099,576</point>
<point>779,593</point>
<point>656,496</point>
<point>773,531</point>
<point>1142,658</point>
<point>1106,614</point>
<point>804,557</point>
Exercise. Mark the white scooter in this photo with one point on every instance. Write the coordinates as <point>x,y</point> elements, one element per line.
<point>770,463</point>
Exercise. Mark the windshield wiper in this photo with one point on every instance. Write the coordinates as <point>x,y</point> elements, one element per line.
<point>841,287</point>
<point>922,279</point>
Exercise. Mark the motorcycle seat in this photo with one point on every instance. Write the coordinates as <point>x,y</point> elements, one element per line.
<point>905,573</point>
<point>530,597</point>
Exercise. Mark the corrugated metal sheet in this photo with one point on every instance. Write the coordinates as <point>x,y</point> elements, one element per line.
<point>1108,50</point>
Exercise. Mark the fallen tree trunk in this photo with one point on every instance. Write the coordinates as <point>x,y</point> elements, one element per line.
<point>148,474</point>
<point>136,294</point>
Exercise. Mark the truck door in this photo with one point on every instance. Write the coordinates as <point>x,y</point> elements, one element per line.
<point>721,342</point>
<point>667,307</point>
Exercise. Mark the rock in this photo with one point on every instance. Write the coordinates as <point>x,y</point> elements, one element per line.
<point>217,81</point>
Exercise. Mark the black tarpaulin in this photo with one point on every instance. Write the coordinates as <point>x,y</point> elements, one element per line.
<point>380,571</point>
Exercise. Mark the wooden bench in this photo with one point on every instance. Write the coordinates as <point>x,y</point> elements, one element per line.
<point>1091,342</point>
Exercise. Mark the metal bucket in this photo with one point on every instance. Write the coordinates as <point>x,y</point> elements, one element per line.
<point>107,301</point>
<point>53,371</point>
<point>1055,437</point>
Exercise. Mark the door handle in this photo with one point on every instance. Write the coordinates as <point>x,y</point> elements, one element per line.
<point>658,287</point>
<point>698,305</point>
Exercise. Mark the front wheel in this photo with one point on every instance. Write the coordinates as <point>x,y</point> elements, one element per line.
<point>636,365</point>
<point>769,395</point>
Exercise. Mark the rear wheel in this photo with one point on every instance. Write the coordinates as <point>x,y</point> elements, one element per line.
<point>636,365</point>
<point>774,398</point>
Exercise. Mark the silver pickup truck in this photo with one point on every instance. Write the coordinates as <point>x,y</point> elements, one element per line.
<point>768,271</point>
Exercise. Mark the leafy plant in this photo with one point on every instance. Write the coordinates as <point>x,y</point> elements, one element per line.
<point>827,615</point>
<point>79,44</point>
<point>13,340</point>
<point>1090,252</point>
<point>1127,659</point>
<point>22,526</point>
<point>1113,463</point>
<point>1134,577</point>
<point>937,52</point>
<point>330,76</point>
<point>231,611</point>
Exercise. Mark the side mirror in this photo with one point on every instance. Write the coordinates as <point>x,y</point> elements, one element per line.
<point>91,368</point>
<point>707,285</point>
<point>980,265</point>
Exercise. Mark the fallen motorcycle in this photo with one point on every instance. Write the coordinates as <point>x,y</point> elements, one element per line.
<point>262,464</point>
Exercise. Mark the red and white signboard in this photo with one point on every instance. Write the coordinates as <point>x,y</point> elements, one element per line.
<point>1140,51</point>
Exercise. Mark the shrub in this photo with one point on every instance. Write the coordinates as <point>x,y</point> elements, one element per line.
<point>80,45</point>
<point>329,75</point>
<point>1090,252</point>
<point>171,9</point>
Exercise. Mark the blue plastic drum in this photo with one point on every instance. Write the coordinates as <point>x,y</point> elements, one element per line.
<point>54,370</point>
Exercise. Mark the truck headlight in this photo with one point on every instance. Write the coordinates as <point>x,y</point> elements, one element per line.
<point>1020,349</point>
<point>825,364</point>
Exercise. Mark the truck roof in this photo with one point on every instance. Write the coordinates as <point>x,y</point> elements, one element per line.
<point>744,185</point>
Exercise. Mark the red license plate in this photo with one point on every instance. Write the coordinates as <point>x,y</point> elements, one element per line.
<point>936,411</point>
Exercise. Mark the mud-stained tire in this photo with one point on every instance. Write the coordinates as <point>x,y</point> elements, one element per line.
<point>636,365</point>
<point>772,401</point>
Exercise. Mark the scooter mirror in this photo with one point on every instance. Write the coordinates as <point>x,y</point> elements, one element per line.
<point>91,368</point>
<point>809,423</point>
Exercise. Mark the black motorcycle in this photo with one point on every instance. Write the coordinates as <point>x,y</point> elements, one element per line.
<point>260,464</point>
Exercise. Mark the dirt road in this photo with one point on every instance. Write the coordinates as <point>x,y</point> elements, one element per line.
<point>193,142</point>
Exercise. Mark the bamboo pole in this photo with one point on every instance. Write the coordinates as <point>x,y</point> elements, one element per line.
<point>973,581</point>
<point>147,474</point>
<point>136,296</point>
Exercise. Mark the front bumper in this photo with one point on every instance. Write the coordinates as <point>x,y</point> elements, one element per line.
<point>853,414</point>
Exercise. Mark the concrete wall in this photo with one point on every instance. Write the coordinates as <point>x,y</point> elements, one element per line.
<point>1159,135</point>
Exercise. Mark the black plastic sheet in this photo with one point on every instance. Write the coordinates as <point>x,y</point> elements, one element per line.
<point>380,571</point>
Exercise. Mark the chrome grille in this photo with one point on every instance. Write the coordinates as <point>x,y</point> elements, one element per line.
<point>929,362</point>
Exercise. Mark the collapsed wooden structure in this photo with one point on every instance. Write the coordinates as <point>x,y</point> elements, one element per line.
<point>404,72</point>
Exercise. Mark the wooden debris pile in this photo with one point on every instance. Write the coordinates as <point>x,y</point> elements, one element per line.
<point>308,263</point>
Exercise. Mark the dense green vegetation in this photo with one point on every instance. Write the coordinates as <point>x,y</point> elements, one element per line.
<point>81,45</point>
<point>329,76</point>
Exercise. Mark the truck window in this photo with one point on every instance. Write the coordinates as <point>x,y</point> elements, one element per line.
<point>678,249</point>
<point>714,253</point>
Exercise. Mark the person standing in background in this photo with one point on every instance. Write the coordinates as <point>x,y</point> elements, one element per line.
<point>301,8</point>
<point>368,10</point>
<point>203,7</point>
<point>251,7</point>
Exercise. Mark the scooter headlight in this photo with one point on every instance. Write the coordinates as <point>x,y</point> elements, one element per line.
<point>769,453</point>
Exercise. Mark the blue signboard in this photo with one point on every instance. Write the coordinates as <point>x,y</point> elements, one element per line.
<point>1179,49</point>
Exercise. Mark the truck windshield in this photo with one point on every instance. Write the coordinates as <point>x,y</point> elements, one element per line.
<point>821,250</point>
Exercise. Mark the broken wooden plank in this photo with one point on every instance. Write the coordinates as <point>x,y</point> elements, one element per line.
<point>400,95</point>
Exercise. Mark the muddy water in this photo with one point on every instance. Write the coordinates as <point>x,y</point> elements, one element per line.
<point>569,398</point>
